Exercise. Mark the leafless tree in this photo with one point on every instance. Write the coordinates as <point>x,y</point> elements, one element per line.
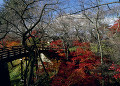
<point>22,17</point>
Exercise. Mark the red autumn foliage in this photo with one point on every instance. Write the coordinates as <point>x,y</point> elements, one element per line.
<point>116,27</point>
<point>12,43</point>
<point>116,69</point>
<point>77,71</point>
<point>82,68</point>
<point>34,33</point>
<point>56,44</point>
<point>83,44</point>
<point>2,43</point>
<point>9,43</point>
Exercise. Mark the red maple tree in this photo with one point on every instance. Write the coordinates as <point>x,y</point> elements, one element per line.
<point>77,70</point>
<point>82,68</point>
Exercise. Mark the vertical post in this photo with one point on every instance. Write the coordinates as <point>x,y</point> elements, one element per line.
<point>25,73</point>
<point>4,74</point>
<point>19,50</point>
<point>13,51</point>
<point>24,50</point>
<point>21,70</point>
<point>8,53</point>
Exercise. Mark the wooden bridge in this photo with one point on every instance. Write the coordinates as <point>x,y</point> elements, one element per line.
<point>12,53</point>
<point>9,54</point>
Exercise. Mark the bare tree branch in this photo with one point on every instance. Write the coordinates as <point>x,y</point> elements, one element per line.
<point>94,7</point>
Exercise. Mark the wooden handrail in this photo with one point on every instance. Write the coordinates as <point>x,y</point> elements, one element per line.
<point>8,52</point>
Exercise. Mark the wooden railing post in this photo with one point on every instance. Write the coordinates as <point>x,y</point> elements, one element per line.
<point>20,51</point>
<point>13,51</point>
<point>8,54</point>
<point>21,70</point>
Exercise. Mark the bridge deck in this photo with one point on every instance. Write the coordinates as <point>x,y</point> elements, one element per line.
<point>12,53</point>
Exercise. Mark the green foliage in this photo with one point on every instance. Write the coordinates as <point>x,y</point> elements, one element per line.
<point>106,47</point>
<point>15,72</point>
<point>93,47</point>
<point>72,48</point>
<point>14,75</point>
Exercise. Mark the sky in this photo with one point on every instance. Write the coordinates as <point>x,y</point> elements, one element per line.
<point>1,2</point>
<point>71,3</point>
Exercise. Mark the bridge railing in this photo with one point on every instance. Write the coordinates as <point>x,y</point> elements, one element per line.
<point>8,52</point>
<point>11,51</point>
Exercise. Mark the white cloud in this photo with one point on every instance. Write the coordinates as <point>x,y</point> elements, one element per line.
<point>109,20</point>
